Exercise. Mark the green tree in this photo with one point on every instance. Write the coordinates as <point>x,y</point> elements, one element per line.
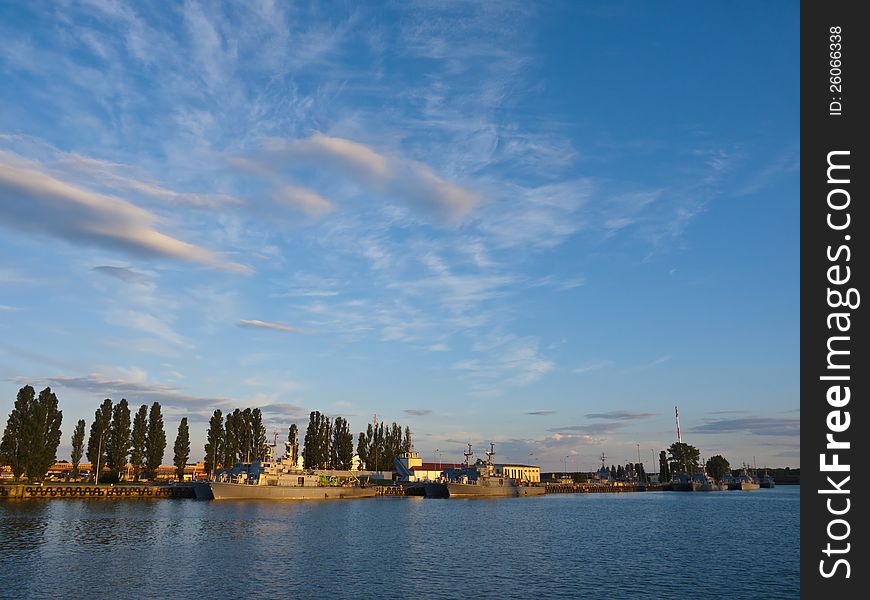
<point>407,444</point>
<point>98,437</point>
<point>664,469</point>
<point>316,454</point>
<point>137,441</point>
<point>214,445</point>
<point>293,439</point>
<point>362,450</point>
<point>78,447</point>
<point>155,441</point>
<point>231,439</point>
<point>717,467</point>
<point>181,449</point>
<point>342,445</point>
<point>43,435</point>
<point>32,434</point>
<point>258,435</point>
<point>13,447</point>
<point>118,443</point>
<point>246,435</point>
<point>685,457</point>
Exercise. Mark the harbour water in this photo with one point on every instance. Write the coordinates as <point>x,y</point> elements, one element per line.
<point>633,545</point>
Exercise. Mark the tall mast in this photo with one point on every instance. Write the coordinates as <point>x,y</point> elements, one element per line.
<point>679,433</point>
<point>468,456</point>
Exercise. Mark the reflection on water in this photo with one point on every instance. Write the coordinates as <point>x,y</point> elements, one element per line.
<point>660,545</point>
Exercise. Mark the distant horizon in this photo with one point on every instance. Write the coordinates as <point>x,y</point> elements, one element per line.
<point>541,226</point>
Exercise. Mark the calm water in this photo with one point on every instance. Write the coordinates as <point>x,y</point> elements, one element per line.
<point>655,545</point>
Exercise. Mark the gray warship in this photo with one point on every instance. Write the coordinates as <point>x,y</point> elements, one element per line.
<point>478,480</point>
<point>281,479</point>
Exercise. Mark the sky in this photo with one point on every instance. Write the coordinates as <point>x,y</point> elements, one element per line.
<point>541,226</point>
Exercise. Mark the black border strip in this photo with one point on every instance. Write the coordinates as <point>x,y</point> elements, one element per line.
<point>834,226</point>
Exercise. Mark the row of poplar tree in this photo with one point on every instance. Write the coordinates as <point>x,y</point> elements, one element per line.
<point>328,443</point>
<point>241,439</point>
<point>32,435</point>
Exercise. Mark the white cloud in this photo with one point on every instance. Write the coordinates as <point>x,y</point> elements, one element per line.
<point>257,324</point>
<point>306,200</point>
<point>35,201</point>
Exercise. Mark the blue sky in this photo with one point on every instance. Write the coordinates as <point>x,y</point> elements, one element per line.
<point>543,226</point>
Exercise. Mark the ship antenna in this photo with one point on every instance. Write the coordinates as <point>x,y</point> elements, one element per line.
<point>490,454</point>
<point>468,456</point>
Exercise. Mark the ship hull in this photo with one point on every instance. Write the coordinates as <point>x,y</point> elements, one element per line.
<point>687,486</point>
<point>470,490</point>
<point>238,491</point>
<point>202,491</point>
<point>744,485</point>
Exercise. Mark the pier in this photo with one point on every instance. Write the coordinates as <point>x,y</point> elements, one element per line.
<point>604,488</point>
<point>127,492</point>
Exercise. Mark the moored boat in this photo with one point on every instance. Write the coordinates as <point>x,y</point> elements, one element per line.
<point>744,481</point>
<point>282,479</point>
<point>478,480</point>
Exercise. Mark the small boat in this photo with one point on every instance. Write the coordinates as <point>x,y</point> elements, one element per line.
<point>705,483</point>
<point>683,483</point>
<point>766,481</point>
<point>744,481</point>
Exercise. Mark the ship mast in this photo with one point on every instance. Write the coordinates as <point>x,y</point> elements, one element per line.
<point>468,456</point>
<point>490,453</point>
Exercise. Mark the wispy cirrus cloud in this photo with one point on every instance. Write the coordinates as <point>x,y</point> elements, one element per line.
<point>591,367</point>
<point>540,413</point>
<point>35,201</point>
<point>775,426</point>
<point>398,178</point>
<point>257,324</point>
<point>418,412</point>
<point>308,201</point>
<point>621,415</point>
<point>124,274</point>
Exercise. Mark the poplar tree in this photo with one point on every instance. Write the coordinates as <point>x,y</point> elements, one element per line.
<point>98,437</point>
<point>43,427</point>
<point>32,434</point>
<point>155,441</point>
<point>231,440</point>
<point>293,439</point>
<point>78,447</point>
<point>181,449</point>
<point>258,435</point>
<point>214,445</point>
<point>13,447</point>
<point>664,469</point>
<point>137,441</point>
<point>246,436</point>
<point>362,450</point>
<point>342,445</point>
<point>118,443</point>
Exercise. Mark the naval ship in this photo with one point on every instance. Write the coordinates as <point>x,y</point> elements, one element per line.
<point>282,479</point>
<point>478,479</point>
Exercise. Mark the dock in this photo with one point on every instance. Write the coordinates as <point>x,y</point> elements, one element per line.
<point>604,488</point>
<point>109,492</point>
